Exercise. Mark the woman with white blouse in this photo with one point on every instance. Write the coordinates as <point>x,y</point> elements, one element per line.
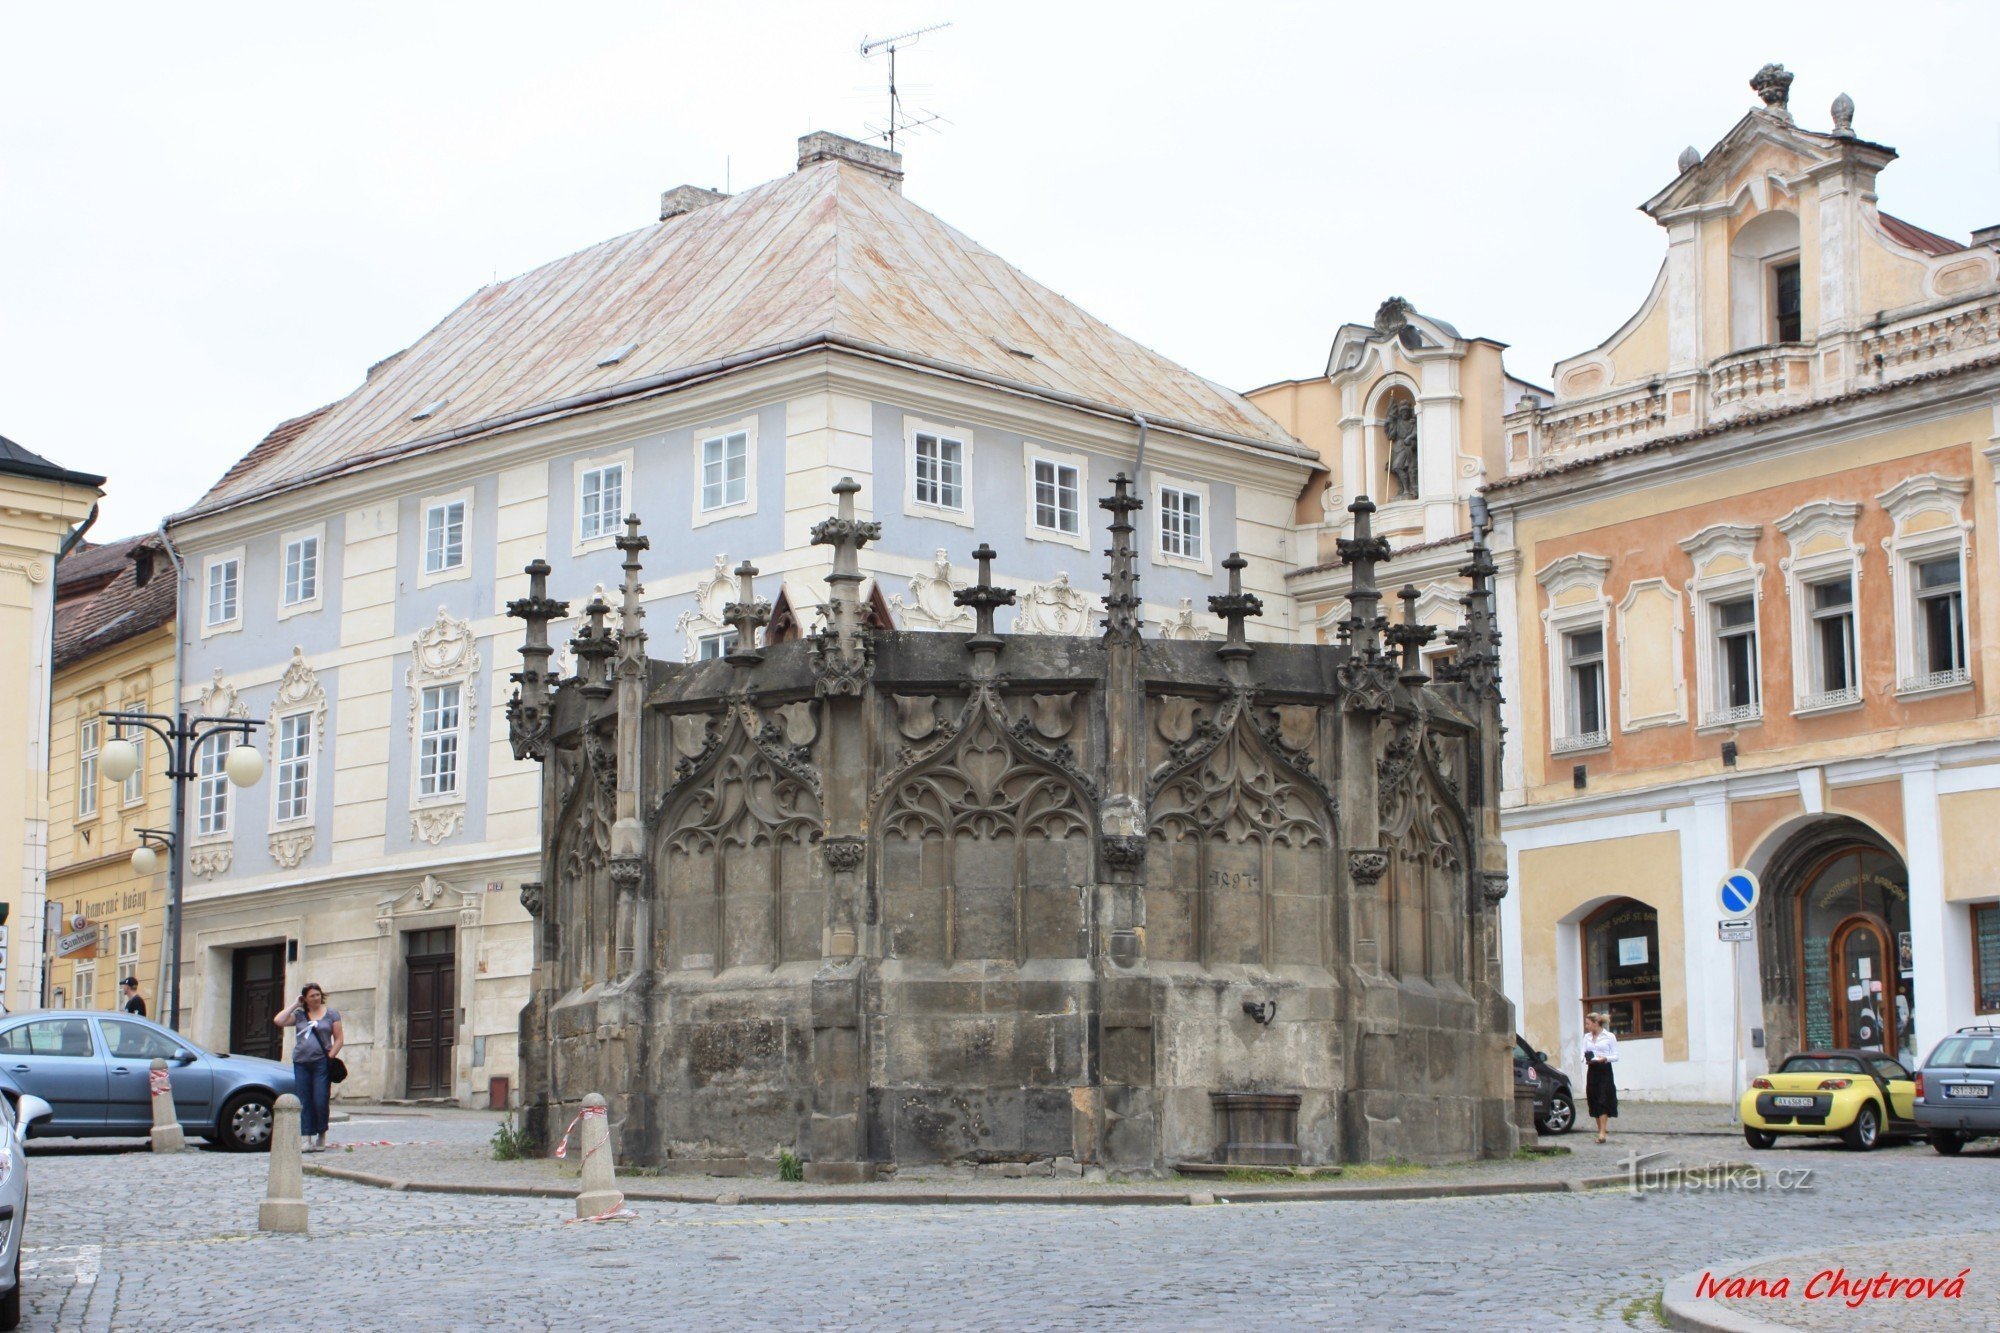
<point>1600,1052</point>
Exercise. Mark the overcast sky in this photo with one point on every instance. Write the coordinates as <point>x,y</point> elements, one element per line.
<point>215,216</point>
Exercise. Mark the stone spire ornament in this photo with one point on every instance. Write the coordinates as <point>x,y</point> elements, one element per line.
<point>1690,159</point>
<point>984,598</point>
<point>1410,637</point>
<point>631,615</point>
<point>1235,606</point>
<point>594,648</point>
<point>1773,86</point>
<point>1361,553</point>
<point>746,615</point>
<point>529,711</point>
<point>1843,117</point>
<point>842,652</point>
<point>1121,604</point>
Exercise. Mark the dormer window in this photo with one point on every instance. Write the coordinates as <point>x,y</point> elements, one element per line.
<point>1787,308</point>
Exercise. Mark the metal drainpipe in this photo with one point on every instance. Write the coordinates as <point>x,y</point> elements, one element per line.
<point>69,543</point>
<point>170,926</point>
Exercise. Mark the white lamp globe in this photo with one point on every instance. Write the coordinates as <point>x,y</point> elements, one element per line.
<point>119,760</point>
<point>244,766</point>
<point>145,861</point>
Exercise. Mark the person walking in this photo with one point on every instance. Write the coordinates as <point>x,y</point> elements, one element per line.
<point>1600,1052</point>
<point>315,1045</point>
<point>133,1003</point>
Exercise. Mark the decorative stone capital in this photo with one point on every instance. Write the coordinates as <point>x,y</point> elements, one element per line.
<point>627,871</point>
<point>844,853</point>
<point>1493,886</point>
<point>532,898</point>
<point>1124,852</point>
<point>1367,867</point>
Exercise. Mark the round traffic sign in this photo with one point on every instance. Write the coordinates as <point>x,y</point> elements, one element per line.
<point>1738,893</point>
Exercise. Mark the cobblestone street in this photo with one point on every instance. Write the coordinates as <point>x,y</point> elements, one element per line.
<point>118,1238</point>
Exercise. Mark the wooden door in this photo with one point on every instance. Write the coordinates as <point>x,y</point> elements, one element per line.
<point>256,976</point>
<point>1864,985</point>
<point>431,998</point>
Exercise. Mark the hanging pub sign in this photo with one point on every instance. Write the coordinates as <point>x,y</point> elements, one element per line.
<point>73,942</point>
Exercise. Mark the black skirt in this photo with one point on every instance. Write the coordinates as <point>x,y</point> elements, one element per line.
<point>1600,1090</point>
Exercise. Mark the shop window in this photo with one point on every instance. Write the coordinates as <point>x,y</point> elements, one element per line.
<point>1621,967</point>
<point>1986,958</point>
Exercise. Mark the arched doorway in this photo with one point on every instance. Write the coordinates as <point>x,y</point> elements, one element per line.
<point>1836,928</point>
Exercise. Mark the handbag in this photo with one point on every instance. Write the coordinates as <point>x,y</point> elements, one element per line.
<point>336,1069</point>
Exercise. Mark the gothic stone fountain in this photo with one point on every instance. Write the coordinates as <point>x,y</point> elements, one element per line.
<point>919,897</point>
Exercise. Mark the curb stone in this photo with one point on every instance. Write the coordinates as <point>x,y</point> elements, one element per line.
<point>1705,1314</point>
<point>1101,1198</point>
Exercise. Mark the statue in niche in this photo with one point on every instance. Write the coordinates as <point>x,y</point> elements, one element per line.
<point>1401,428</point>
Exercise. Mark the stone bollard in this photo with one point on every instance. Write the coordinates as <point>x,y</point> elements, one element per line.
<point>284,1206</point>
<point>167,1136</point>
<point>600,1192</point>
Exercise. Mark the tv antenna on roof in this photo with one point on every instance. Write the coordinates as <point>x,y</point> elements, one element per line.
<point>897,122</point>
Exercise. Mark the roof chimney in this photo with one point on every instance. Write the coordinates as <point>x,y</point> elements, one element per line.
<point>686,199</point>
<point>826,146</point>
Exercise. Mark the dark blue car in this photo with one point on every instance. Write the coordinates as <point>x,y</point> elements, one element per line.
<point>93,1070</point>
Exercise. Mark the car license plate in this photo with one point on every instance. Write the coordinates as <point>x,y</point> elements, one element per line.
<point>1965,1089</point>
<point>1795,1103</point>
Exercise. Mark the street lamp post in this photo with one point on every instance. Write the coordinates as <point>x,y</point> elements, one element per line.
<point>183,737</point>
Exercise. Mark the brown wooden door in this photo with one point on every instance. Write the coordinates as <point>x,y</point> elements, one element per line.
<point>1864,985</point>
<point>432,1006</point>
<point>256,976</point>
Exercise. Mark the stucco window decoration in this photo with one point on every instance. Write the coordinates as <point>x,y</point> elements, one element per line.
<point>1929,558</point>
<point>444,704</point>
<point>1055,607</point>
<point>222,592</point>
<point>211,850</point>
<point>1726,593</point>
<point>712,597</point>
<point>297,740</point>
<point>725,470</point>
<point>930,605</point>
<point>1575,627</point>
<point>1652,633</point>
<point>1184,623</point>
<point>1823,589</point>
<point>603,491</point>
<point>939,464</point>
<point>1056,482</point>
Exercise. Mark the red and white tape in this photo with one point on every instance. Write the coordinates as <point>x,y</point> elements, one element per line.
<point>588,1112</point>
<point>162,1085</point>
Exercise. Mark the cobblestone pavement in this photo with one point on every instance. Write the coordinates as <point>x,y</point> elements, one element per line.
<point>122,1239</point>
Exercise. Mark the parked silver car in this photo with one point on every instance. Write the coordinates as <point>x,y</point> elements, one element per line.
<point>93,1070</point>
<point>1958,1089</point>
<point>17,1109</point>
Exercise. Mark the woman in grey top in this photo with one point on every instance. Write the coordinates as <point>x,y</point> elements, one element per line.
<point>319,1039</point>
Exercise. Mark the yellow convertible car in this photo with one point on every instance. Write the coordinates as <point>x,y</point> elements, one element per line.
<point>1863,1096</point>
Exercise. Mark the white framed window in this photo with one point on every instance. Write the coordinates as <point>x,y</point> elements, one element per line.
<point>1929,555</point>
<point>1057,482</point>
<point>444,538</point>
<point>128,950</point>
<point>939,462</point>
<point>438,721</point>
<point>133,790</point>
<point>299,578</point>
<point>1183,524</point>
<point>725,470</point>
<point>292,777</point>
<point>603,491</point>
<point>85,986</point>
<point>709,647</point>
<point>1574,628</point>
<point>222,592</point>
<point>89,733</point>
<point>211,786</point>
<point>1726,591</point>
<point>1823,587</point>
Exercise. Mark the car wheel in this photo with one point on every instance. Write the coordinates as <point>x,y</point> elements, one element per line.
<point>1866,1130</point>
<point>1759,1138</point>
<point>10,1304</point>
<point>1947,1142</point>
<point>245,1125</point>
<point>1561,1118</point>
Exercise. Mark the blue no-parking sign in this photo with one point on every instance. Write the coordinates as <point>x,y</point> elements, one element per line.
<point>1738,893</point>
